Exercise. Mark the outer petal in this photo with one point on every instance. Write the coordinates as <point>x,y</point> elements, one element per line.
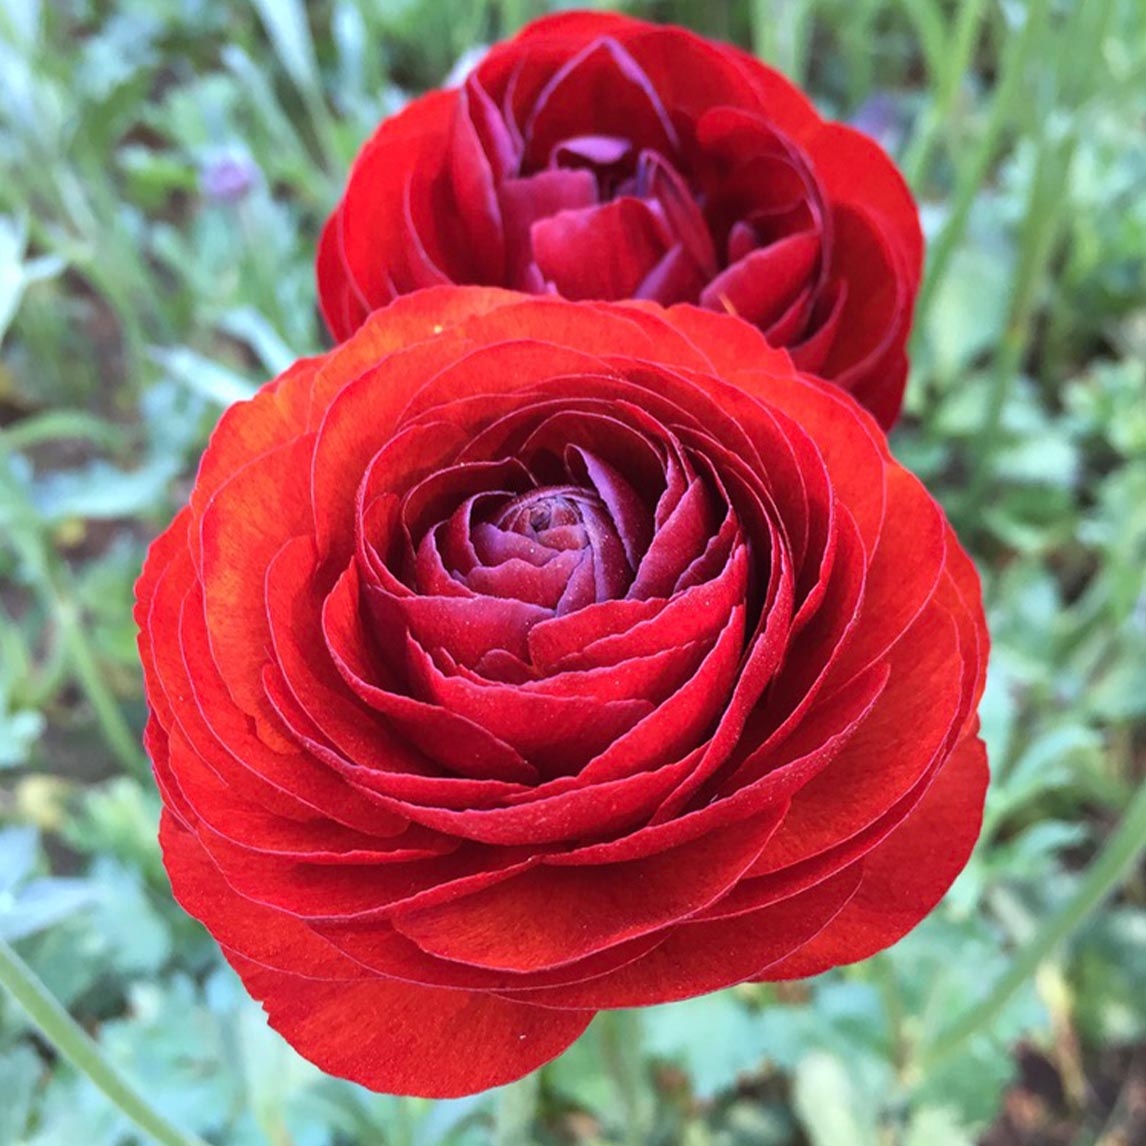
<point>855,169</point>
<point>906,875</point>
<point>514,926</point>
<point>710,954</point>
<point>385,1034</point>
<point>243,527</point>
<point>271,937</point>
<point>343,307</point>
<point>404,1039</point>
<point>376,238</point>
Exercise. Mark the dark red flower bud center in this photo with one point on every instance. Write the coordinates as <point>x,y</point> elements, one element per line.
<point>539,510</point>
<point>556,544</point>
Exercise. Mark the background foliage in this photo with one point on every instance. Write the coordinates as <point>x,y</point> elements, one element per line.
<point>166,165</point>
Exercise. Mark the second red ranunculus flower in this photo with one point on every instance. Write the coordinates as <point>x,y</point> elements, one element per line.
<point>599,157</point>
<point>522,658</point>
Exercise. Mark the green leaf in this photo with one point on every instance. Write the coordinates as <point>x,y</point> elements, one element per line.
<point>126,928</point>
<point>120,820</point>
<point>43,903</point>
<point>515,1111</point>
<point>212,380</point>
<point>19,850</point>
<point>936,1126</point>
<point>715,1038</point>
<point>101,491</point>
<point>249,326</point>
<point>20,1070</point>
<point>289,32</point>
<point>20,728</point>
<point>17,273</point>
<point>969,309</point>
<point>827,1105</point>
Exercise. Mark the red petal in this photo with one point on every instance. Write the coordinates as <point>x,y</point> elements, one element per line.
<point>289,784</point>
<point>854,169</point>
<point>168,547</point>
<point>851,445</point>
<point>243,526</point>
<point>761,286</point>
<point>342,306</point>
<point>404,1039</point>
<point>727,344</point>
<point>448,736</point>
<point>866,353</point>
<point>376,242</point>
<point>599,252</point>
<point>528,199</point>
<point>475,193</point>
<point>906,875</point>
<point>600,90</point>
<point>278,414</point>
<point>515,927</point>
<point>706,956</point>
<point>557,734</point>
<point>902,573</point>
<point>243,822</point>
<point>906,731</point>
<point>271,937</point>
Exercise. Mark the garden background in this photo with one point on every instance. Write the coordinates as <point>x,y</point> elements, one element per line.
<point>166,167</point>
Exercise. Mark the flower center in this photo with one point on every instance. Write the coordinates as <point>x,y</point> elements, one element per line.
<point>539,510</point>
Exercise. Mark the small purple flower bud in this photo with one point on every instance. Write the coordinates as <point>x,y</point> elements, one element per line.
<point>880,117</point>
<point>228,177</point>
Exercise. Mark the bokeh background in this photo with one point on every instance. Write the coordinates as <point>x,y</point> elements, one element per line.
<point>166,165</point>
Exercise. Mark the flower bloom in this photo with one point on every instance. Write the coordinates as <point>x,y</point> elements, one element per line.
<point>599,157</point>
<point>521,658</point>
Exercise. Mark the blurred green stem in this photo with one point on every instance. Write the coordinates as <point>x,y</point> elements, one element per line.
<point>780,33</point>
<point>69,1038</point>
<point>513,14</point>
<point>116,731</point>
<point>1103,876</point>
<point>856,35</point>
<point>1046,207</point>
<point>1042,219</point>
<point>888,986</point>
<point>937,118</point>
<point>974,171</point>
<point>516,1111</point>
<point>622,1051</point>
<point>26,538</point>
<point>404,1121</point>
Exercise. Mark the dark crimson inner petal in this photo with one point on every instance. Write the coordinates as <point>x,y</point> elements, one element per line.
<point>597,192</point>
<point>548,514</point>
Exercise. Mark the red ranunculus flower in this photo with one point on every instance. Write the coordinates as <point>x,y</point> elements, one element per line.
<point>599,157</point>
<point>521,658</point>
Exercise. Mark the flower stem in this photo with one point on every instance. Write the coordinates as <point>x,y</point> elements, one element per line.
<point>1044,216</point>
<point>937,118</point>
<point>113,726</point>
<point>780,33</point>
<point>1046,210</point>
<point>69,1038</point>
<point>621,1049</point>
<point>894,1013</point>
<point>514,14</point>
<point>516,1111</point>
<point>975,170</point>
<point>1102,877</point>
<point>27,539</point>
